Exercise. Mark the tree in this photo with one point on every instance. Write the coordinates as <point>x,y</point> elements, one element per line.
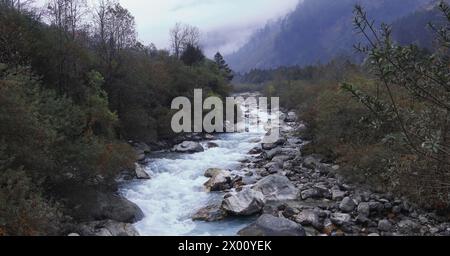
<point>192,55</point>
<point>223,66</point>
<point>183,35</point>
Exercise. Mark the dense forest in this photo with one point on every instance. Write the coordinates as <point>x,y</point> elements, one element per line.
<point>318,31</point>
<point>386,122</point>
<point>76,86</point>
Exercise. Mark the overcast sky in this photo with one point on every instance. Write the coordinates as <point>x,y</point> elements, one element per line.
<point>225,24</point>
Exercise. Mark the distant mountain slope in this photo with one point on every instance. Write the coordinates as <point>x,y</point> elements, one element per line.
<point>316,31</point>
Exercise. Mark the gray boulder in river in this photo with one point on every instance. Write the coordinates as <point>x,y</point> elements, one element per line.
<point>244,203</point>
<point>268,225</point>
<point>188,147</point>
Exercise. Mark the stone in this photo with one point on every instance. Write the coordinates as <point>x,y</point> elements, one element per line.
<point>311,193</point>
<point>73,234</point>
<point>141,173</point>
<point>269,225</point>
<point>212,145</point>
<point>188,147</point>
<point>219,181</point>
<point>245,203</point>
<point>347,205</point>
<point>210,214</point>
<point>277,187</point>
<point>108,228</point>
<point>211,172</point>
<point>272,153</point>
<point>338,195</point>
<point>309,218</point>
<point>311,162</point>
<point>291,117</point>
<point>340,219</point>
<point>384,225</point>
<point>364,209</point>
<point>255,151</point>
<point>408,227</point>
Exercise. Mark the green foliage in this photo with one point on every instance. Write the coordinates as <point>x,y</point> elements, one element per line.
<point>23,209</point>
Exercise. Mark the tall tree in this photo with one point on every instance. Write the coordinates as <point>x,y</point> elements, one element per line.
<point>223,66</point>
<point>183,35</point>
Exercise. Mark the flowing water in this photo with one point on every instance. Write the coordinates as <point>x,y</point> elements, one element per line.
<point>176,190</point>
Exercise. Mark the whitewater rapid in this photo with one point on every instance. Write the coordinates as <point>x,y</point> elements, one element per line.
<point>176,190</point>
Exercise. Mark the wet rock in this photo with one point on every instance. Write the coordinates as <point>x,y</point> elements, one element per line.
<point>212,145</point>
<point>244,203</point>
<point>141,173</point>
<point>211,172</point>
<point>255,151</point>
<point>220,180</point>
<point>188,147</point>
<point>277,187</point>
<point>210,214</point>
<point>347,205</point>
<point>268,225</point>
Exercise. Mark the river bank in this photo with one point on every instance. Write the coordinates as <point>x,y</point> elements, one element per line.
<point>233,184</point>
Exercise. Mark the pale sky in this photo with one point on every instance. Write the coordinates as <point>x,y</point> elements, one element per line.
<point>225,24</point>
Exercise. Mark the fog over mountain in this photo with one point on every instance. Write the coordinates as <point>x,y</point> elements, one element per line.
<point>319,30</point>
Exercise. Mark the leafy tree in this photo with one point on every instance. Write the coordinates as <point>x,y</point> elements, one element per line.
<point>192,55</point>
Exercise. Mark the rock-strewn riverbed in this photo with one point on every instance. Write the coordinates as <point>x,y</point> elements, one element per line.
<point>300,195</point>
<point>235,184</point>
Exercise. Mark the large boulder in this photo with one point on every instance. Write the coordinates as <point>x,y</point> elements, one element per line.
<point>96,203</point>
<point>188,147</point>
<point>107,228</point>
<point>268,225</point>
<point>220,180</point>
<point>277,187</point>
<point>210,213</point>
<point>141,173</point>
<point>245,203</point>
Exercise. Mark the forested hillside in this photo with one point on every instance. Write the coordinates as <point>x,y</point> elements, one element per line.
<point>386,122</point>
<point>319,30</point>
<point>73,91</point>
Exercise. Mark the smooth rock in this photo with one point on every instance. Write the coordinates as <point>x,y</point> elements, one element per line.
<point>245,203</point>
<point>268,225</point>
<point>277,187</point>
<point>188,147</point>
<point>141,173</point>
